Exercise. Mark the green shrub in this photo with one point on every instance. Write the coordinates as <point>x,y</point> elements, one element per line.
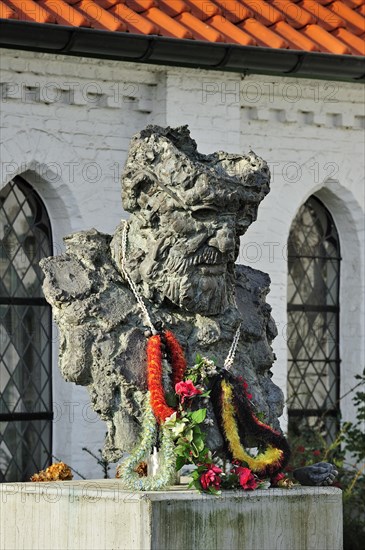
<point>347,452</point>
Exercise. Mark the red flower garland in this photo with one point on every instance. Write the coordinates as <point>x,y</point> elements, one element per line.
<point>177,357</point>
<point>160,408</point>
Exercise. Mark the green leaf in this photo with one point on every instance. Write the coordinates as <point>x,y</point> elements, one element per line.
<point>195,474</point>
<point>180,462</point>
<point>198,416</point>
<point>231,481</point>
<point>182,450</point>
<point>199,443</point>
<point>171,399</point>
<point>197,485</point>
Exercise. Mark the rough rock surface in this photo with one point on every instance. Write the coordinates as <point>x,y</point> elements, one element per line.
<point>187,213</point>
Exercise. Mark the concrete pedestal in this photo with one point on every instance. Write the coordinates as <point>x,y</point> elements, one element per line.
<point>99,515</point>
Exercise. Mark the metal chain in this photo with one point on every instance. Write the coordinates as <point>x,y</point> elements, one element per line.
<point>232,352</point>
<point>132,284</point>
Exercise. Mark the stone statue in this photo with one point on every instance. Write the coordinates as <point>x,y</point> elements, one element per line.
<point>188,211</point>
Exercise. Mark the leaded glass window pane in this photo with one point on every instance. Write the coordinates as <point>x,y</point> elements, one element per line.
<point>313,320</point>
<point>25,334</point>
<point>24,448</point>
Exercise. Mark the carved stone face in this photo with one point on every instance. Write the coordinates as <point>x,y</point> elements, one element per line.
<point>188,211</point>
<point>188,258</point>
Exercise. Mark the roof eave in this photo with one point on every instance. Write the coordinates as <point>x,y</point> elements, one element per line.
<point>160,50</point>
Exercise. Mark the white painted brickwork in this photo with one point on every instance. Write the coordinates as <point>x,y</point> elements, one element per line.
<point>66,124</point>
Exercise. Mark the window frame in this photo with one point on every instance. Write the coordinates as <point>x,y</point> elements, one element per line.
<point>43,221</point>
<point>334,410</point>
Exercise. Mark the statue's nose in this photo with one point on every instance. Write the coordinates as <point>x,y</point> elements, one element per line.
<point>223,240</point>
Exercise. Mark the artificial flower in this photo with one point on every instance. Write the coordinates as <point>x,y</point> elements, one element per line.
<point>186,390</point>
<point>211,477</point>
<point>282,482</point>
<point>179,426</point>
<point>170,420</point>
<point>246,478</point>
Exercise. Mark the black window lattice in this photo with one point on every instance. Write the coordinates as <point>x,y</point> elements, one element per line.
<point>313,320</point>
<point>25,334</point>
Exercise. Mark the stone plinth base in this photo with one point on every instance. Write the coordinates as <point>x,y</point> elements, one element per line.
<point>98,515</point>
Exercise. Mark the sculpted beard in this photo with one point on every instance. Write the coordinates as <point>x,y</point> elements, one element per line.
<point>198,284</point>
<point>198,279</point>
<point>205,294</point>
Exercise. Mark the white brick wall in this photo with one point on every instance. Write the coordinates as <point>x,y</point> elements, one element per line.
<point>66,124</point>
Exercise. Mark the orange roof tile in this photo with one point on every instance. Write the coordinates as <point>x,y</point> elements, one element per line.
<point>6,12</point>
<point>172,8</point>
<point>231,32</point>
<point>327,41</point>
<point>295,39</point>
<point>134,21</point>
<point>355,22</point>
<point>323,16</point>
<point>265,12</point>
<point>199,29</point>
<point>293,14</point>
<point>333,26</point>
<point>354,3</point>
<point>27,10</point>
<point>203,9</point>
<point>101,18</point>
<point>167,26</point>
<point>263,36</point>
<point>64,13</point>
<point>233,10</point>
<point>355,44</point>
<point>139,5</point>
<point>106,4</point>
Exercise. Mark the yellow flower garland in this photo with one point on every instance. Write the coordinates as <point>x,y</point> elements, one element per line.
<point>257,463</point>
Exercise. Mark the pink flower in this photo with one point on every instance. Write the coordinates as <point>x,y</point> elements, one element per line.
<point>246,478</point>
<point>211,477</point>
<point>186,389</point>
<point>301,449</point>
<point>316,453</point>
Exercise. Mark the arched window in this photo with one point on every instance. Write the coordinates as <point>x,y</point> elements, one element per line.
<point>25,334</point>
<point>313,321</point>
